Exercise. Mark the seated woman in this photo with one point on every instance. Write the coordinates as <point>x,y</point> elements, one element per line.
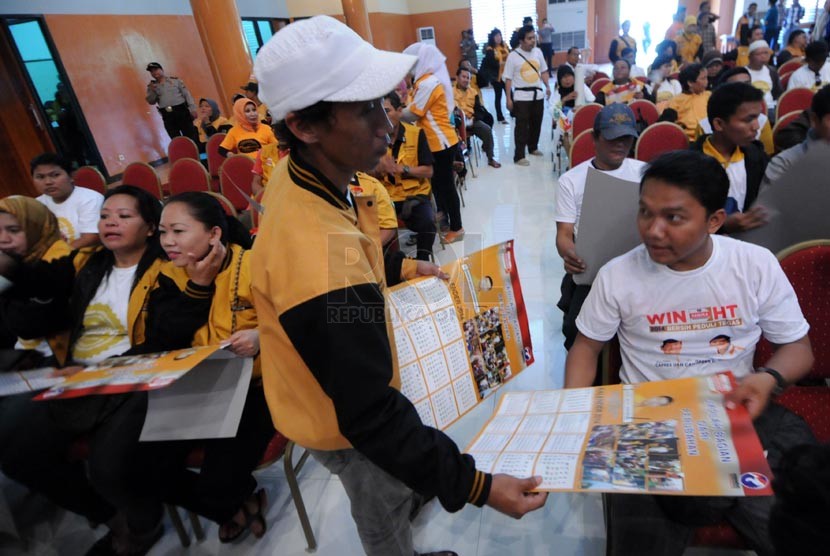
<point>223,490</point>
<point>691,104</point>
<point>668,49</point>
<point>623,88</point>
<point>110,304</point>
<point>210,121</point>
<point>563,101</point>
<point>662,86</point>
<point>249,135</point>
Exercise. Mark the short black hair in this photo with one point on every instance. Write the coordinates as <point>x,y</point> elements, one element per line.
<point>50,159</point>
<point>394,99</point>
<point>701,175</point>
<point>794,35</point>
<point>571,49</point>
<point>820,105</point>
<point>724,76</point>
<point>689,73</point>
<point>522,33</point>
<point>622,60</point>
<point>460,69</point>
<point>721,337</point>
<point>816,51</point>
<point>669,341</point>
<point>660,61</point>
<point>319,112</point>
<point>726,99</point>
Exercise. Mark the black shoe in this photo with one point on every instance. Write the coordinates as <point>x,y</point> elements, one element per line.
<point>105,546</point>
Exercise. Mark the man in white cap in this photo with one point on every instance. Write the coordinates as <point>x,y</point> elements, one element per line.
<point>319,281</point>
<point>764,76</point>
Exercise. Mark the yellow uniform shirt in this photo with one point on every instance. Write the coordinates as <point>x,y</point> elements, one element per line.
<point>690,110</point>
<point>269,157</point>
<point>217,123</point>
<point>429,103</point>
<point>364,185</point>
<point>465,100</point>
<point>262,110</point>
<point>242,141</point>
<point>687,46</point>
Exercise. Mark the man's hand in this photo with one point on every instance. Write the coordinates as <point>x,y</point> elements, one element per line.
<point>573,264</point>
<point>755,217</point>
<point>547,93</point>
<point>753,392</point>
<point>509,102</point>
<point>638,95</point>
<point>387,165</point>
<point>426,268</point>
<point>66,371</point>
<point>513,497</point>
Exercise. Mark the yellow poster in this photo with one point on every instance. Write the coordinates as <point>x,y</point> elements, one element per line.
<point>668,437</point>
<point>458,340</point>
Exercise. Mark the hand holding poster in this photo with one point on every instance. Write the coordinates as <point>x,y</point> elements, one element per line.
<point>665,437</point>
<point>457,341</point>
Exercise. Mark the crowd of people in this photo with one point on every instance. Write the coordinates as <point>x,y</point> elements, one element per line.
<point>343,156</point>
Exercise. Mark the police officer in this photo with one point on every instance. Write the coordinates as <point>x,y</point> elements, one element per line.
<point>175,103</point>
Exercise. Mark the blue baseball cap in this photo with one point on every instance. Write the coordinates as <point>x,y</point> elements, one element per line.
<point>615,121</point>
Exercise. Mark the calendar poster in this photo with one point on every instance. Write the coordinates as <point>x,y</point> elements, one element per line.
<point>669,437</point>
<point>456,341</point>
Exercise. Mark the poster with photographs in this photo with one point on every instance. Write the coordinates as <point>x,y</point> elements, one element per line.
<point>457,341</point>
<point>669,437</point>
<point>118,375</point>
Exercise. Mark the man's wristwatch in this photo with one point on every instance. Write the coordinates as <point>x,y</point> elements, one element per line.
<point>405,169</point>
<point>780,383</point>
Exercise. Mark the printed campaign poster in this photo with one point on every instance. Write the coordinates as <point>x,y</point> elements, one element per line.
<point>665,437</point>
<point>457,341</point>
<point>118,375</point>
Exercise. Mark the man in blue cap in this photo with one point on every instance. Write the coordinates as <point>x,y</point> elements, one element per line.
<point>615,131</point>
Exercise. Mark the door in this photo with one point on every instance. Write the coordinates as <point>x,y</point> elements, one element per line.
<point>51,101</point>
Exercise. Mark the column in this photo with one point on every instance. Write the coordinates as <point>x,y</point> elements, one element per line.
<point>357,17</point>
<point>220,28</point>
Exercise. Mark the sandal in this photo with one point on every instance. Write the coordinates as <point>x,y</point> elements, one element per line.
<point>238,531</point>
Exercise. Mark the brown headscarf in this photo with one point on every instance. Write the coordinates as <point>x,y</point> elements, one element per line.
<point>239,114</point>
<point>37,221</point>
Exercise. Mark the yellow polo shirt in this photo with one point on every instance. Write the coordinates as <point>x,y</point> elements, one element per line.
<point>364,185</point>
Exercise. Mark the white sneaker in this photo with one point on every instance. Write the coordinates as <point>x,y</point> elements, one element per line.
<point>537,153</point>
<point>523,162</point>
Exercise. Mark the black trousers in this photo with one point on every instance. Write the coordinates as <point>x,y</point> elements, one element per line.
<point>443,185</point>
<point>179,122</point>
<point>421,220</point>
<point>547,52</point>
<point>224,481</point>
<point>38,458</point>
<point>570,302</point>
<point>529,114</point>
<point>498,90</point>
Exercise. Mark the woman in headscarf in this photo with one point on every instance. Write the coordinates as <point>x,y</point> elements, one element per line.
<point>210,121</point>
<point>249,135</point>
<point>431,107</point>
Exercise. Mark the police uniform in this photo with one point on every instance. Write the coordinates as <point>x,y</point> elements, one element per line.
<point>175,104</point>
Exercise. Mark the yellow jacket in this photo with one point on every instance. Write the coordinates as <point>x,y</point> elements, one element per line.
<point>404,188</point>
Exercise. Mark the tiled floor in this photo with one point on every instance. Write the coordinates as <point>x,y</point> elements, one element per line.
<point>511,202</point>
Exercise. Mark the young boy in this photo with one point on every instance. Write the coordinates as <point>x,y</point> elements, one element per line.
<point>77,208</point>
<point>733,111</point>
<point>683,266</point>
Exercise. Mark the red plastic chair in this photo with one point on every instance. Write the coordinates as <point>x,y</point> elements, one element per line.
<point>644,110</point>
<point>584,118</point>
<point>793,100</point>
<point>660,138</point>
<point>214,159</point>
<point>188,175</point>
<point>141,174</point>
<point>600,75</point>
<point>227,206</point>
<point>598,84</point>
<point>789,67</point>
<point>785,80</point>
<point>782,123</point>
<point>235,174</point>
<point>91,178</point>
<point>182,147</point>
<point>583,148</point>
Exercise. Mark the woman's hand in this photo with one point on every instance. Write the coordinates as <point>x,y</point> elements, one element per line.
<point>569,97</point>
<point>204,271</point>
<point>245,343</point>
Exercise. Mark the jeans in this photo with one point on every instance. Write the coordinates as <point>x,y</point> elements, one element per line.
<point>529,114</point>
<point>380,503</point>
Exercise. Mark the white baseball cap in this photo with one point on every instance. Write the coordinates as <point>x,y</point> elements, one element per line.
<point>321,59</point>
<point>758,45</point>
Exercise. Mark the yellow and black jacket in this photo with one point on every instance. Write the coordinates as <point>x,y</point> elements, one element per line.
<point>329,369</point>
<point>409,148</point>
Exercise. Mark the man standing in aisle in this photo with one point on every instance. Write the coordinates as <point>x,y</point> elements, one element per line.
<point>330,377</point>
<point>175,103</point>
<point>526,71</point>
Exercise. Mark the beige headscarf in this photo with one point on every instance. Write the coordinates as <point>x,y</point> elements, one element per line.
<point>37,221</point>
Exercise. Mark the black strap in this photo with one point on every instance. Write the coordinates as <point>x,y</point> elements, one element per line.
<point>529,64</point>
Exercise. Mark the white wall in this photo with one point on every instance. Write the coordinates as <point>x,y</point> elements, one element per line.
<point>107,7</point>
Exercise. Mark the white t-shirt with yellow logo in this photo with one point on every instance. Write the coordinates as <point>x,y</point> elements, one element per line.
<point>78,214</point>
<point>105,331</point>
<point>762,80</point>
<point>526,73</point>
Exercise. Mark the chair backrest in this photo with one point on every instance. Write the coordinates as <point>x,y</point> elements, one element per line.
<point>598,84</point>
<point>644,110</point>
<point>789,67</point>
<point>91,178</point>
<point>783,122</point>
<point>584,117</point>
<point>214,159</point>
<point>182,147</point>
<point>227,206</point>
<point>582,148</point>
<point>660,138</point>
<point>785,80</point>
<point>141,174</point>
<point>188,175</point>
<point>235,174</point>
<point>600,75</point>
<point>795,99</point>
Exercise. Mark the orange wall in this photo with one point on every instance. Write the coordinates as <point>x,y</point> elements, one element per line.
<point>391,31</point>
<point>105,57</point>
<point>448,26</point>
<point>607,27</point>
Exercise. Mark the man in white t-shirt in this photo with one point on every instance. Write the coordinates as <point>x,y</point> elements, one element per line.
<point>526,71</point>
<point>815,74</point>
<point>654,297</point>
<point>77,208</point>
<point>615,130</point>
<point>764,76</point>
